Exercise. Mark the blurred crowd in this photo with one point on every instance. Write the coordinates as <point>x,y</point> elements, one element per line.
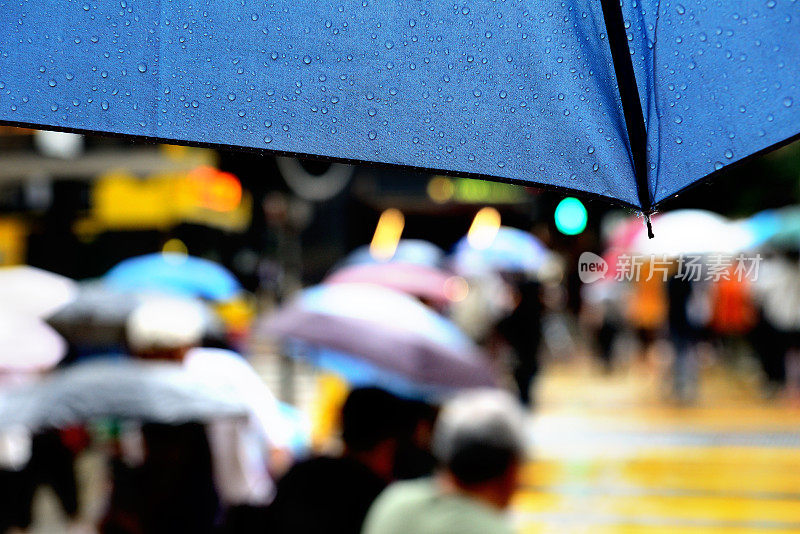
<point>438,356</point>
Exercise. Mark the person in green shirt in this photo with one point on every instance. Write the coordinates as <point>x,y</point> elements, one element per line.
<point>479,442</point>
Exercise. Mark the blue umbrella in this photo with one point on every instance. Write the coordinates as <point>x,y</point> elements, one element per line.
<point>174,273</point>
<point>632,102</point>
<point>512,250</point>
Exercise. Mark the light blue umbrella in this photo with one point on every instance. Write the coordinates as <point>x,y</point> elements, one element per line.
<point>630,102</point>
<point>413,251</point>
<point>512,251</point>
<point>779,227</point>
<point>174,273</point>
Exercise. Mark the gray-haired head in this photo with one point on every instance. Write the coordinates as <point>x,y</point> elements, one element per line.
<point>479,434</point>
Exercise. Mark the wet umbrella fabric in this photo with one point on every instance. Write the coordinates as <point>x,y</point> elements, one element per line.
<point>145,391</point>
<point>632,102</point>
<point>386,328</point>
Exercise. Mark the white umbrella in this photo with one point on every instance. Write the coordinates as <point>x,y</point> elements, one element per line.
<point>691,232</point>
<point>34,291</point>
<point>28,343</point>
<point>162,392</point>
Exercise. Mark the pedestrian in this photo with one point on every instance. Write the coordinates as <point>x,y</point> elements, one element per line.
<point>332,494</point>
<point>480,444</point>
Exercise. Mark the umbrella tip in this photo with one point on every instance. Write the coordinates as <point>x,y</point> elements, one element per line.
<point>649,225</point>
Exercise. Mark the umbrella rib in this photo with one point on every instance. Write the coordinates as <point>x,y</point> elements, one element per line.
<point>631,103</point>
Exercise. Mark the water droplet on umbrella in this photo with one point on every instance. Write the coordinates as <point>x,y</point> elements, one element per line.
<point>267,139</point>
<point>680,9</point>
<point>718,165</point>
<point>54,107</point>
<point>476,93</point>
<point>104,105</point>
<point>195,104</point>
<point>231,97</point>
<point>307,60</point>
<point>590,150</point>
<point>465,10</point>
<point>678,140</point>
<point>69,76</point>
<point>254,17</point>
<point>242,113</point>
<point>788,101</point>
<point>285,127</point>
<point>372,134</point>
<point>372,112</point>
<point>51,83</point>
<point>274,55</point>
<point>142,67</point>
<point>389,45</point>
<point>678,119</point>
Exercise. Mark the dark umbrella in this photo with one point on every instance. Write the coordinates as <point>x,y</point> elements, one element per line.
<point>96,319</point>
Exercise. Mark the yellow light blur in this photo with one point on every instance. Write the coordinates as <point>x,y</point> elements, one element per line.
<point>387,235</point>
<point>175,246</point>
<point>484,228</point>
<point>441,189</point>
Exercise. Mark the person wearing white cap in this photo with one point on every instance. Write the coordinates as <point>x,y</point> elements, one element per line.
<point>242,452</point>
<point>479,442</point>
